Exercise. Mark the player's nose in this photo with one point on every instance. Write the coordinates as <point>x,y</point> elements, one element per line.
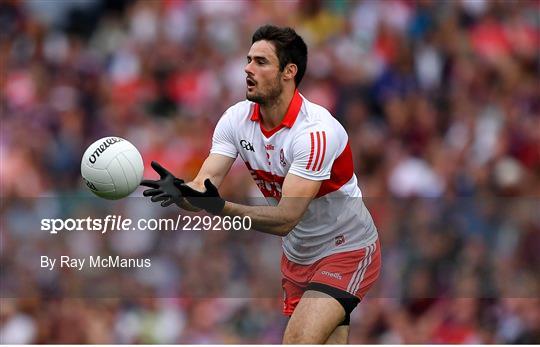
<point>248,69</point>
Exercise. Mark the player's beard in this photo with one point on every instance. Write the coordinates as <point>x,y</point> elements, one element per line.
<point>269,95</point>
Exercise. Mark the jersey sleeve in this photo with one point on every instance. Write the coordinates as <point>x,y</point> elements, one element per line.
<point>314,152</point>
<point>223,139</point>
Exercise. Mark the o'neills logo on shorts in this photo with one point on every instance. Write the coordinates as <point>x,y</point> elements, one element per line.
<point>106,144</point>
<point>335,275</point>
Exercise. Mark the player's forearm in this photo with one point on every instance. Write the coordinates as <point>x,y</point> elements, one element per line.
<point>215,167</point>
<point>273,220</point>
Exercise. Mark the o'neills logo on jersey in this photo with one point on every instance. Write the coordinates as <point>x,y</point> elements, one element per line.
<point>335,275</point>
<point>106,144</point>
<point>269,147</point>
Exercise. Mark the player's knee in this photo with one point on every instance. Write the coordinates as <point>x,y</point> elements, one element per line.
<point>299,336</point>
<point>290,338</point>
<point>297,332</point>
<point>340,336</point>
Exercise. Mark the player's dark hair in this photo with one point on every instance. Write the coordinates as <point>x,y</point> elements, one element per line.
<point>290,47</point>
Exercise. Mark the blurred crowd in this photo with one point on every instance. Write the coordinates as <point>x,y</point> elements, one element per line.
<point>441,101</point>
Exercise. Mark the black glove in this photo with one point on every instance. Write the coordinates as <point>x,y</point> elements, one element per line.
<point>208,200</point>
<point>165,189</point>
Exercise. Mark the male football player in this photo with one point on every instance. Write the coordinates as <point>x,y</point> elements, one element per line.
<point>299,156</point>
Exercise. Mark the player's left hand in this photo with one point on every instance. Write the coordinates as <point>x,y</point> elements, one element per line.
<point>164,189</point>
<point>209,200</point>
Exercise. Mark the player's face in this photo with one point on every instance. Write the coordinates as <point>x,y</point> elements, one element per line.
<point>263,78</point>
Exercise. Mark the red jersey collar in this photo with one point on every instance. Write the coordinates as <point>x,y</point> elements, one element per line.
<point>290,116</point>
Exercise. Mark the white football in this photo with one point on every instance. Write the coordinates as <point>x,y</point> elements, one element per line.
<point>112,168</point>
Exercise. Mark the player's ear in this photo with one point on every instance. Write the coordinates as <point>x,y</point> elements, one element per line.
<point>290,71</point>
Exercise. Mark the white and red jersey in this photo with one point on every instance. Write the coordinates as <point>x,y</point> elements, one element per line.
<point>312,144</point>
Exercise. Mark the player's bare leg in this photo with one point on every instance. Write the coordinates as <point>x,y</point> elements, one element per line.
<point>340,336</point>
<point>314,319</point>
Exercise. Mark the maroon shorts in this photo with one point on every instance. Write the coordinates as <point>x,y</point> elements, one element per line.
<point>352,272</point>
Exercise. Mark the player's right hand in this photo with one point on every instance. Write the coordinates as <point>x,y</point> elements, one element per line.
<point>164,189</point>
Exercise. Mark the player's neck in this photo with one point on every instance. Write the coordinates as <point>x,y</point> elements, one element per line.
<point>273,112</point>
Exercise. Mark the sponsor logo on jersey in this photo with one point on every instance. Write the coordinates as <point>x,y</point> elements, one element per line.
<point>270,184</point>
<point>335,275</point>
<point>247,146</point>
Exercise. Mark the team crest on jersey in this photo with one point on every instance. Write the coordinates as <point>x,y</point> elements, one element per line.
<point>282,158</point>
